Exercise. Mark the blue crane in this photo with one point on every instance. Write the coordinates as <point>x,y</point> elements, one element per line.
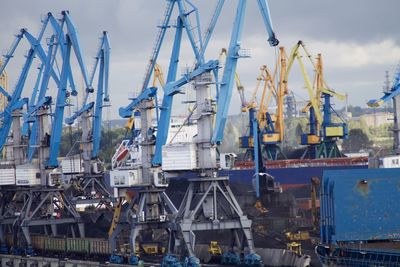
<point>199,48</point>
<point>72,41</point>
<point>102,95</point>
<point>392,94</point>
<point>36,50</point>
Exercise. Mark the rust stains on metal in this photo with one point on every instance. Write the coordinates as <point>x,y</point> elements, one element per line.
<point>363,187</point>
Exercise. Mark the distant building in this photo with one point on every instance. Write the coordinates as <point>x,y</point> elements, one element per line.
<point>377,119</point>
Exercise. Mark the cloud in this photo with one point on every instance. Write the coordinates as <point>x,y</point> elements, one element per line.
<point>356,55</point>
<point>356,49</point>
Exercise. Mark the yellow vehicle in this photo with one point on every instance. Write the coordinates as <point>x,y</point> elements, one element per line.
<point>298,236</point>
<point>214,249</point>
<point>295,247</point>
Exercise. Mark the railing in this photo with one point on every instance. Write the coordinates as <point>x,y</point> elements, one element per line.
<point>358,258</point>
<point>294,163</point>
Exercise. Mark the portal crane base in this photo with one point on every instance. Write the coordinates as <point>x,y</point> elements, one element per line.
<point>150,209</point>
<point>93,190</point>
<point>326,150</point>
<point>209,204</point>
<point>38,206</point>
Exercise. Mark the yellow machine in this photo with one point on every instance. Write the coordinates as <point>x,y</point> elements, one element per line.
<point>295,247</point>
<point>214,249</point>
<point>152,248</point>
<point>298,236</point>
<point>315,184</point>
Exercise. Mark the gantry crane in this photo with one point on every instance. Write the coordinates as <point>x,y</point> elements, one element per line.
<point>36,198</point>
<point>270,125</point>
<point>210,186</point>
<point>392,94</point>
<point>321,140</point>
<point>90,183</point>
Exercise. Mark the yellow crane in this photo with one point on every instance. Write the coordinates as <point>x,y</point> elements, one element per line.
<point>270,124</point>
<point>323,133</point>
<point>4,85</point>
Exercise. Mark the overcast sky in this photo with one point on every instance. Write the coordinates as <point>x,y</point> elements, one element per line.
<point>359,40</point>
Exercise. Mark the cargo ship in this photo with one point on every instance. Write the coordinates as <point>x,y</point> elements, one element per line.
<point>360,218</point>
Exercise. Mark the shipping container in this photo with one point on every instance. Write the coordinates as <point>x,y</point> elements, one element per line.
<point>360,205</point>
<point>99,247</point>
<point>179,156</point>
<point>78,245</point>
<point>7,176</point>
<point>27,175</point>
<point>55,244</point>
<point>38,242</point>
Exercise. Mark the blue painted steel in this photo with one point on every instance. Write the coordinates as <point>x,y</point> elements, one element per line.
<point>313,122</point>
<point>191,261</point>
<point>118,259</point>
<point>159,40</point>
<point>170,89</point>
<point>360,205</point>
<point>19,104</point>
<point>98,114</point>
<point>35,43</point>
<point>7,119</point>
<point>102,94</point>
<point>31,105</point>
<point>231,62</point>
<point>394,91</point>
<point>263,6</point>
<point>229,74</point>
<point>211,26</point>
<point>230,258</point>
<point>133,260</point>
<point>166,108</point>
<point>189,30</point>
<point>257,156</point>
<point>106,55</point>
<point>5,93</point>
<point>58,29</point>
<point>174,88</point>
<point>56,130</point>
<point>36,49</point>
<point>11,51</point>
<point>74,38</point>
<point>77,114</point>
<point>170,260</point>
<point>48,68</point>
<point>252,259</point>
<point>147,94</point>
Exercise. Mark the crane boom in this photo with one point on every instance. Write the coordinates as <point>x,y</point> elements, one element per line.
<point>394,91</point>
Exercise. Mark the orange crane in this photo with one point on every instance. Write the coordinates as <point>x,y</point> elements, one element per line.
<point>4,85</point>
<point>270,124</point>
